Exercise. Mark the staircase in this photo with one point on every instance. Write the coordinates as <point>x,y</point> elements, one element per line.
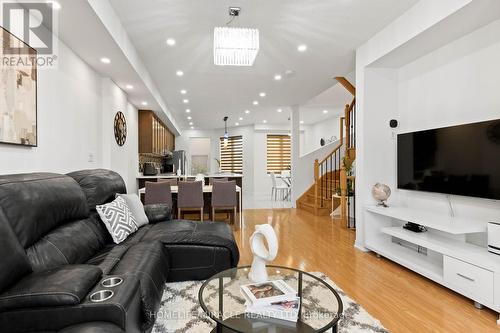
<point>333,180</point>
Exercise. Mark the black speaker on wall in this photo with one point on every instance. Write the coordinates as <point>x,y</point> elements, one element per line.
<point>393,123</point>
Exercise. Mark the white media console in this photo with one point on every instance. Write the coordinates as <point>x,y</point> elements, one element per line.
<point>443,254</point>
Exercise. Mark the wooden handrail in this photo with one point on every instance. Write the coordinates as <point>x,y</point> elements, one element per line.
<point>325,165</point>
<point>346,84</point>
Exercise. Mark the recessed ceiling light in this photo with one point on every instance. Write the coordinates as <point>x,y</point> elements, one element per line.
<point>191,123</point>
<point>189,118</point>
<point>279,110</point>
<point>301,121</point>
<point>262,94</point>
<point>302,48</point>
<point>144,103</point>
<point>184,92</point>
<point>278,77</point>
<point>188,110</point>
<point>240,118</point>
<point>192,127</point>
<point>55,5</point>
<point>179,73</point>
<point>325,111</point>
<point>105,60</point>
<point>170,42</point>
<point>264,121</point>
<point>247,111</point>
<point>185,101</point>
<point>255,102</point>
<point>237,124</point>
<point>129,86</point>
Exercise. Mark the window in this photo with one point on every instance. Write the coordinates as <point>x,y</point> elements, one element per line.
<point>231,157</point>
<point>279,153</point>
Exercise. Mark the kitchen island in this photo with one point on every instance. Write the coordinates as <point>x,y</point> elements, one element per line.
<point>141,179</point>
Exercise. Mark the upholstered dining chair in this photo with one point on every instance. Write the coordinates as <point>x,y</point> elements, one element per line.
<point>211,180</point>
<point>224,198</point>
<point>158,193</point>
<point>190,198</point>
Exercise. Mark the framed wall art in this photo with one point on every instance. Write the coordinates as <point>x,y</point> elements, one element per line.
<point>18,91</point>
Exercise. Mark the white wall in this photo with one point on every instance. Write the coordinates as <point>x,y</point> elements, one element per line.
<point>454,84</point>
<point>124,159</point>
<point>69,115</point>
<point>313,133</point>
<point>76,109</point>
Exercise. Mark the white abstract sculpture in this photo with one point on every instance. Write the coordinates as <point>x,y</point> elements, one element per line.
<point>261,255</point>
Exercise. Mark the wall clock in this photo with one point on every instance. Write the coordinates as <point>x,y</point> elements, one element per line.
<point>120,128</point>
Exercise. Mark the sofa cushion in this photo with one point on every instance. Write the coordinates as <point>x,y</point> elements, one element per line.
<point>36,203</point>
<point>14,264</point>
<point>136,207</point>
<point>148,262</point>
<point>118,219</point>
<point>100,186</point>
<point>183,232</point>
<point>158,213</point>
<point>72,243</point>
<point>67,285</point>
<point>110,255</point>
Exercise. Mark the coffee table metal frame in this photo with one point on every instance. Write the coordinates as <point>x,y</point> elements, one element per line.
<point>221,325</point>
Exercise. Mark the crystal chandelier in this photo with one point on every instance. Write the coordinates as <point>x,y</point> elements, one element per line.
<point>235,46</point>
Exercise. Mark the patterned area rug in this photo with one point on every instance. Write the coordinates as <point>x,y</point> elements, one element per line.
<point>180,311</point>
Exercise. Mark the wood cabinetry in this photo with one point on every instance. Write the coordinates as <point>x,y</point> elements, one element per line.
<point>154,136</point>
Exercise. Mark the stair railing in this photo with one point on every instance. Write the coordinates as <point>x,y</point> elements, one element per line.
<point>347,180</point>
<point>326,172</point>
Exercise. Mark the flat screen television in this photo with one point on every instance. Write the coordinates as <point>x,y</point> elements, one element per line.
<point>460,160</point>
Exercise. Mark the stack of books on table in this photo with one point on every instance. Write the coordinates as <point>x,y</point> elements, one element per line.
<point>272,299</point>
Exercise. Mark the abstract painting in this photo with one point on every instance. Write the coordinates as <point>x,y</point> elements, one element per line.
<point>18,89</point>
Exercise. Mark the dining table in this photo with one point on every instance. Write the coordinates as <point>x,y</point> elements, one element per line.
<point>208,189</point>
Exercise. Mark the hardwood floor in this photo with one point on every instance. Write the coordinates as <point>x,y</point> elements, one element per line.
<point>401,299</point>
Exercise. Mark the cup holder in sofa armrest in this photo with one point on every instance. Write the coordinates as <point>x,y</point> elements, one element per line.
<point>101,296</point>
<point>111,282</point>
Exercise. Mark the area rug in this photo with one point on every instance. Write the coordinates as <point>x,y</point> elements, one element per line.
<point>180,311</point>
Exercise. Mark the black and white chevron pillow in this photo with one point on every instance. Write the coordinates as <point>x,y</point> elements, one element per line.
<point>118,219</point>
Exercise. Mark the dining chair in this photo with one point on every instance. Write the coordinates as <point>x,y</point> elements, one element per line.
<point>224,197</point>
<point>190,198</point>
<point>158,193</point>
<point>211,180</point>
<point>281,189</point>
<point>286,177</point>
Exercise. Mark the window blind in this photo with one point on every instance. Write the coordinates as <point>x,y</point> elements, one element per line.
<point>231,157</point>
<point>279,153</point>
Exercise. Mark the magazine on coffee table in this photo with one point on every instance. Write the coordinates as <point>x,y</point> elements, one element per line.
<point>284,310</point>
<point>266,293</point>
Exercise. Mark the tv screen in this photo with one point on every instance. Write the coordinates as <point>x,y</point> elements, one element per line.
<point>460,160</point>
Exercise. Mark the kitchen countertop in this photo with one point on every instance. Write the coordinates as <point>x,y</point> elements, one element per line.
<point>169,176</point>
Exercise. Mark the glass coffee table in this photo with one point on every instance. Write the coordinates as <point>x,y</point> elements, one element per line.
<point>221,299</point>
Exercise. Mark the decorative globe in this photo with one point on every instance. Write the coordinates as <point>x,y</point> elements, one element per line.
<point>381,193</point>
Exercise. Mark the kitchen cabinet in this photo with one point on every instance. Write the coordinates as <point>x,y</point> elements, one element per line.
<point>154,136</point>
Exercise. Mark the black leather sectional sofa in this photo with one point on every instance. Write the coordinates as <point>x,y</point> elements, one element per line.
<point>55,252</point>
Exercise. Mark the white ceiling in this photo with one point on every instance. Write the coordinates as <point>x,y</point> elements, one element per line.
<point>331,29</point>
